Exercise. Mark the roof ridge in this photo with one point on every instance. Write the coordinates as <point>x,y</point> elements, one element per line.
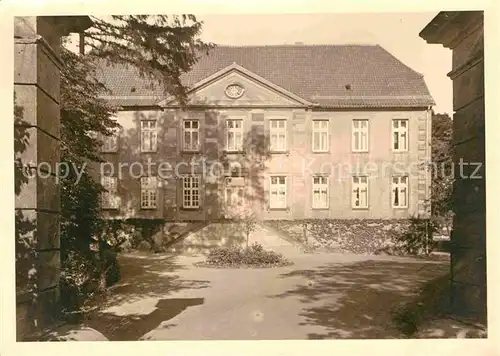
<point>298,45</point>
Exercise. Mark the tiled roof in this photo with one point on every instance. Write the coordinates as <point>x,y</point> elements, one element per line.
<point>317,73</point>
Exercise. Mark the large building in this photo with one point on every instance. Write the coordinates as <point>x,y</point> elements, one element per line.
<point>290,131</point>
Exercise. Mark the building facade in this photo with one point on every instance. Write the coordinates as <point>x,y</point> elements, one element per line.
<point>289,132</point>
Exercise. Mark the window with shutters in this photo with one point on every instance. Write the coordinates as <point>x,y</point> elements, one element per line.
<point>400,192</point>
<point>149,136</point>
<point>149,192</point>
<point>360,192</point>
<point>320,136</point>
<point>277,192</point>
<point>320,192</point>
<point>360,135</point>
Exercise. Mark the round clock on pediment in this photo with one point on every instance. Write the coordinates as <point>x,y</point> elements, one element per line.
<point>234,91</point>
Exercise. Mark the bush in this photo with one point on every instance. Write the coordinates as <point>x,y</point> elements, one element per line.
<point>254,255</point>
<point>417,239</point>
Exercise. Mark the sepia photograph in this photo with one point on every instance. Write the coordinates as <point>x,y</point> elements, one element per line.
<point>250,176</point>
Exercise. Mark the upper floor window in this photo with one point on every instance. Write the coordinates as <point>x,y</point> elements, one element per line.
<point>191,191</point>
<point>400,192</point>
<point>149,192</point>
<point>320,136</point>
<point>191,137</point>
<point>109,197</point>
<point>278,189</point>
<point>360,135</point>
<point>400,134</point>
<point>234,138</point>
<point>320,192</point>
<point>110,143</point>
<point>148,136</point>
<point>277,132</point>
<point>360,192</point>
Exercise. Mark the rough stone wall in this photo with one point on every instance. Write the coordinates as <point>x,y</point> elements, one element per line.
<point>129,234</point>
<point>360,236</point>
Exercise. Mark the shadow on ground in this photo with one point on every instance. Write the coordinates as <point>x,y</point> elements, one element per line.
<point>140,303</point>
<point>360,300</point>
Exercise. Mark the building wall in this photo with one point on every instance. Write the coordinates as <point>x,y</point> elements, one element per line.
<point>463,32</point>
<point>297,163</point>
<point>469,226</point>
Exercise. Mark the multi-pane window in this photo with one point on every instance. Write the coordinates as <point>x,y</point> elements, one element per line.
<point>360,192</point>
<point>400,134</point>
<point>109,197</point>
<point>234,138</point>
<point>110,143</point>
<point>148,136</point>
<point>277,132</point>
<point>277,192</point>
<point>320,192</point>
<point>191,138</point>
<point>360,135</point>
<point>320,136</point>
<point>191,192</point>
<point>400,192</point>
<point>149,192</point>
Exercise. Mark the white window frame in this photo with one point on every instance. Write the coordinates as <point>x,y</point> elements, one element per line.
<point>400,188</point>
<point>149,136</point>
<point>360,187</point>
<point>109,198</point>
<point>402,134</point>
<point>110,143</point>
<point>193,146</point>
<point>191,188</point>
<point>279,189</point>
<point>149,192</point>
<point>237,145</point>
<point>323,189</point>
<point>360,128</point>
<point>322,132</point>
<point>277,144</point>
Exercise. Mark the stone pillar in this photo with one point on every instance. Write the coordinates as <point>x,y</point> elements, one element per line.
<point>463,32</point>
<point>37,66</point>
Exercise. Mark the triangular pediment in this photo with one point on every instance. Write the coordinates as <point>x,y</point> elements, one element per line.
<point>235,86</point>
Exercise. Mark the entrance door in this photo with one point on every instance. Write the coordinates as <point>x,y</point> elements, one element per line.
<point>234,195</point>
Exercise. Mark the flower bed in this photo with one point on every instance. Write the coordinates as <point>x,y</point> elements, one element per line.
<point>253,256</point>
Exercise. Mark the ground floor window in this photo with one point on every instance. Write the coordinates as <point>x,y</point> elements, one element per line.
<point>320,192</point>
<point>149,191</point>
<point>278,190</point>
<point>109,197</point>
<point>360,192</point>
<point>191,192</point>
<point>400,192</point>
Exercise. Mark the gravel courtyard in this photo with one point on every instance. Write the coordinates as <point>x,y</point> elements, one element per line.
<point>322,296</point>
